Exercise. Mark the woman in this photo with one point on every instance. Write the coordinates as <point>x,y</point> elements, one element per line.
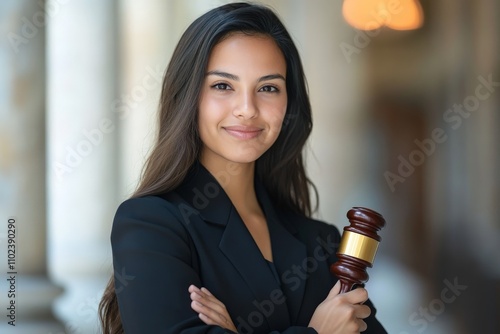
<point>217,237</point>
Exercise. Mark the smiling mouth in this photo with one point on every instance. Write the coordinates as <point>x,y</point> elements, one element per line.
<point>243,132</point>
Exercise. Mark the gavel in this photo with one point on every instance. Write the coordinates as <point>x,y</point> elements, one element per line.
<point>357,248</point>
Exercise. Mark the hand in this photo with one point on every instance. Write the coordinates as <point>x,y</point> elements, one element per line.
<point>210,310</point>
<point>341,313</point>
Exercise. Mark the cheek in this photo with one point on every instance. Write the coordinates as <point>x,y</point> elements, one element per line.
<point>277,117</point>
<point>210,113</point>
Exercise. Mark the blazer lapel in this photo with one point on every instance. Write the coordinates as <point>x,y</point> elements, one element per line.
<point>239,247</point>
<point>289,255</point>
<point>201,190</point>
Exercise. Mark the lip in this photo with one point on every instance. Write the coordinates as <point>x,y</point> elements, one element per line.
<point>243,132</point>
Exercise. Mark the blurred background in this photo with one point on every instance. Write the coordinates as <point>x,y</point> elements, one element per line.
<point>405,98</point>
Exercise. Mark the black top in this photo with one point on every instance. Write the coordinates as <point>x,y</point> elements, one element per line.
<point>194,235</point>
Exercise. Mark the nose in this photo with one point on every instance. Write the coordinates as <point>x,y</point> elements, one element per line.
<point>246,107</point>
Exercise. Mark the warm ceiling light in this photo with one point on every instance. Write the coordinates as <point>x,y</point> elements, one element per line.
<point>372,14</point>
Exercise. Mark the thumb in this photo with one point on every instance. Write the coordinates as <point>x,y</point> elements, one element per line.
<point>335,290</point>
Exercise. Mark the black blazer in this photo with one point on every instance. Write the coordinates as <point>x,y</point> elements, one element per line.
<point>193,235</point>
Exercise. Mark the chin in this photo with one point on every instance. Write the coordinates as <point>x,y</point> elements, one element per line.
<point>245,156</point>
<point>243,159</point>
<point>241,154</point>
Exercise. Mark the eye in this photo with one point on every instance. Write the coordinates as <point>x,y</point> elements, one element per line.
<point>221,86</point>
<point>269,89</point>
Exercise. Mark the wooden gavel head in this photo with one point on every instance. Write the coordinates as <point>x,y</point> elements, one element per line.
<point>357,248</point>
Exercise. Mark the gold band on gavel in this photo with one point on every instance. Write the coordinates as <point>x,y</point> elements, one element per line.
<point>358,246</point>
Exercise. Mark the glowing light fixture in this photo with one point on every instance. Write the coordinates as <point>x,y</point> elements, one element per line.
<point>373,14</point>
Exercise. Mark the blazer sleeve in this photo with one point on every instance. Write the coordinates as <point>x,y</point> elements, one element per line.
<point>154,263</point>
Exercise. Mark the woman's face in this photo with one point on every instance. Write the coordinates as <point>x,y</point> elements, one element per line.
<point>243,99</point>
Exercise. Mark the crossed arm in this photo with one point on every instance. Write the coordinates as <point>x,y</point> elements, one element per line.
<point>338,313</point>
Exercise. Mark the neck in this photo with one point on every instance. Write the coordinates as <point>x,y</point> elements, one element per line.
<point>237,180</point>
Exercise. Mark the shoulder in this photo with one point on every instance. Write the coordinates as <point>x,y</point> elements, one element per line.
<point>147,218</point>
<point>304,225</point>
<point>320,238</point>
<point>135,205</point>
<point>168,205</point>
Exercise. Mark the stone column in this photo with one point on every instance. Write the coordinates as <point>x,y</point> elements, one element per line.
<point>146,48</point>
<point>151,31</point>
<point>81,163</point>
<point>26,291</point>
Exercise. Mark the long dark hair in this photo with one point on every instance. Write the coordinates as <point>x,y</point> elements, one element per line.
<point>281,168</point>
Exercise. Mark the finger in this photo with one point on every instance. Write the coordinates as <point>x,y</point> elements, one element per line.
<point>203,309</point>
<point>206,319</point>
<point>193,288</point>
<point>208,302</point>
<point>209,314</point>
<point>356,296</point>
<point>362,311</point>
<point>226,325</point>
<point>207,294</point>
<point>205,290</point>
<point>197,306</point>
<point>362,325</point>
<point>208,298</point>
<point>335,290</point>
<point>209,321</point>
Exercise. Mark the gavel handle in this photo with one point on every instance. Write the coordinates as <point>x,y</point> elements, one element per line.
<point>346,286</point>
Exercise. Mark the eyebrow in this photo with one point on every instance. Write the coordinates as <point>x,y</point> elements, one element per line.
<point>237,78</point>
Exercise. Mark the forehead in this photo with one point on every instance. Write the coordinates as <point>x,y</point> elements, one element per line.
<point>239,51</point>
